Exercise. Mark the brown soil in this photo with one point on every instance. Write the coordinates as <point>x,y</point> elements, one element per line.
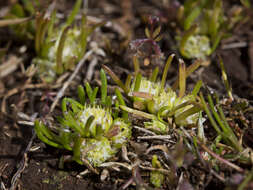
<point>41,164</point>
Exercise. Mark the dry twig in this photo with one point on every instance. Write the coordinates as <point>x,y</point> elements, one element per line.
<point>67,83</point>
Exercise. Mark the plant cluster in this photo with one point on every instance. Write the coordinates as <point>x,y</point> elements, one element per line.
<point>153,100</point>
<point>59,48</point>
<point>91,130</point>
<point>204,25</point>
<point>94,129</point>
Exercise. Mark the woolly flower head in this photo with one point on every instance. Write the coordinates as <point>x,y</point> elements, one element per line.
<point>102,118</point>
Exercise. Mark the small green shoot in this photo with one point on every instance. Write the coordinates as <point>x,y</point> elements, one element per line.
<point>220,123</point>
<point>89,130</point>
<point>225,80</point>
<point>156,177</point>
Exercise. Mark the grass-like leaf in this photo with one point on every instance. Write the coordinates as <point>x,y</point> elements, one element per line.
<point>137,83</point>
<point>121,102</point>
<point>74,12</point>
<point>197,87</point>
<point>45,135</point>
<point>225,79</point>
<point>77,150</point>
<point>166,68</point>
<point>136,64</point>
<point>154,74</point>
<point>81,94</point>
<point>188,71</point>
<point>182,78</point>
<point>220,125</point>
<point>103,86</point>
<point>87,126</point>
<point>115,78</point>
<point>59,53</point>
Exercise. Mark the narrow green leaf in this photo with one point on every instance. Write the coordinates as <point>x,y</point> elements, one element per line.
<point>216,115</point>
<point>108,101</point>
<point>60,48</point>
<point>81,94</point>
<point>191,17</point>
<point>137,83</point>
<point>225,79</point>
<point>87,126</point>
<point>166,68</point>
<point>72,122</point>
<point>189,70</point>
<point>64,105</point>
<point>128,82</point>
<point>182,78</point>
<point>39,21</point>
<point>74,12</point>
<point>65,139</point>
<point>94,95</point>
<point>214,124</point>
<point>45,135</point>
<point>103,86</point>
<point>115,78</point>
<point>136,64</point>
<point>121,102</point>
<point>89,91</point>
<point>77,150</point>
<point>197,87</point>
<point>154,74</point>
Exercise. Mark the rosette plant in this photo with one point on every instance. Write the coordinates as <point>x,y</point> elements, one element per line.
<point>58,48</point>
<point>89,130</point>
<point>155,101</point>
<point>203,24</point>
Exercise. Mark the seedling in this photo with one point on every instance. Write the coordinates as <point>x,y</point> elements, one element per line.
<point>159,101</point>
<point>59,48</point>
<point>156,177</point>
<point>147,49</point>
<point>219,122</point>
<point>87,129</point>
<point>204,25</point>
